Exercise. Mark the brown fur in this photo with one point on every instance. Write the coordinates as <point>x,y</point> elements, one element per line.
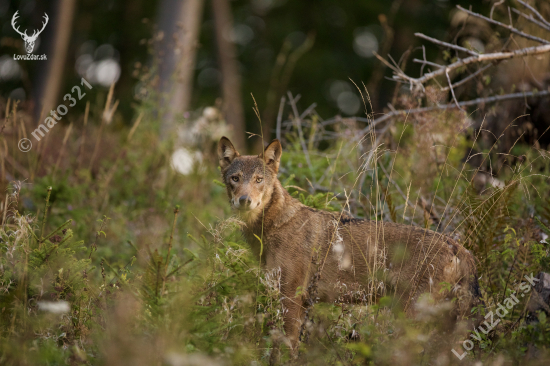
<point>356,258</point>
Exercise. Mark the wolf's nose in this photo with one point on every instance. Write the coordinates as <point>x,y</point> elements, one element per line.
<point>244,201</point>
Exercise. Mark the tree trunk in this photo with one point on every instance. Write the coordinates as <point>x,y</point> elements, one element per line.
<point>231,79</point>
<point>48,95</point>
<point>179,21</point>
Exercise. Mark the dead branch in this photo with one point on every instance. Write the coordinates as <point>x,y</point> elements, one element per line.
<point>308,110</point>
<point>468,103</point>
<point>531,19</point>
<point>509,27</point>
<point>372,124</point>
<point>497,56</point>
<point>441,70</point>
<point>298,123</point>
<point>489,59</point>
<point>535,12</point>
<point>280,118</point>
<point>494,6</point>
<point>421,70</point>
<point>426,62</point>
<point>452,91</point>
<point>458,83</point>
<point>445,44</point>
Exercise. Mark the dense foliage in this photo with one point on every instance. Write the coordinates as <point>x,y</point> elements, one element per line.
<point>130,262</point>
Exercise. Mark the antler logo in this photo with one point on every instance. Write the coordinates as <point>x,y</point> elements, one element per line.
<point>29,40</point>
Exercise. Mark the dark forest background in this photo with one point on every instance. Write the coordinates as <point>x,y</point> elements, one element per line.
<point>311,48</point>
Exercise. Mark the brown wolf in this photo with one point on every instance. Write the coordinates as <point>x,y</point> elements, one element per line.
<point>357,258</point>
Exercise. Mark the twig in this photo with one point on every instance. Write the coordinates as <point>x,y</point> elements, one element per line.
<point>308,111</point>
<point>458,83</point>
<point>424,57</point>
<point>531,19</point>
<point>339,119</point>
<point>445,44</point>
<point>403,65</point>
<point>509,27</point>
<point>426,62</point>
<point>471,60</point>
<point>467,103</point>
<point>280,118</point>
<point>494,6</point>
<point>535,12</point>
<point>452,90</point>
<point>385,62</point>
<point>298,124</point>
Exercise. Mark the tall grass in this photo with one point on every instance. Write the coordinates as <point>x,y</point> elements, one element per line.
<point>125,261</point>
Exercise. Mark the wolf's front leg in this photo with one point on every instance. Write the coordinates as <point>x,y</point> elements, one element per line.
<point>293,316</point>
<point>292,319</point>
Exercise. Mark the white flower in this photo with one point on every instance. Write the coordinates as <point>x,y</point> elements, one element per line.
<point>56,307</point>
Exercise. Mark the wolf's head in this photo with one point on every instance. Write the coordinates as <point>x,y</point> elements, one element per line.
<point>249,179</point>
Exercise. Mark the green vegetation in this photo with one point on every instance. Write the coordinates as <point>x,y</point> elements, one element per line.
<point>117,243</point>
<point>129,262</point>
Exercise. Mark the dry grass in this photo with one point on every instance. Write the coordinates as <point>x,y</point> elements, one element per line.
<point>206,300</point>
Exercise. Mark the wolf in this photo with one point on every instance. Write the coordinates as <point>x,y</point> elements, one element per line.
<point>357,259</point>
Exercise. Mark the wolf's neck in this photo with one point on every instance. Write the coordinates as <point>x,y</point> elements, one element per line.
<point>280,208</point>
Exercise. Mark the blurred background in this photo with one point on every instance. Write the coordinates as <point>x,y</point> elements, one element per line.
<point>117,243</point>
<point>218,53</point>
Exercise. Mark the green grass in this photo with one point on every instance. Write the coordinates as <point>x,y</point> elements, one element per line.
<point>134,301</point>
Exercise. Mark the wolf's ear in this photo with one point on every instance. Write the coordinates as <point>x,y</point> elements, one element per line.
<point>226,152</point>
<point>272,154</point>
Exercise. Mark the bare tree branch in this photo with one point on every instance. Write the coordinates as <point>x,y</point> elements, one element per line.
<point>452,90</point>
<point>531,19</point>
<point>426,62</point>
<point>339,119</point>
<point>373,125</point>
<point>509,27</point>
<point>298,123</point>
<point>458,83</point>
<point>468,103</point>
<point>535,12</point>
<point>308,110</point>
<point>471,60</point>
<point>280,117</point>
<point>423,57</point>
<point>494,6</point>
<point>444,70</point>
<point>445,44</point>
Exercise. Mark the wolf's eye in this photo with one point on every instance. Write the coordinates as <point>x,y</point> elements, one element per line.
<point>235,179</point>
<point>259,180</point>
